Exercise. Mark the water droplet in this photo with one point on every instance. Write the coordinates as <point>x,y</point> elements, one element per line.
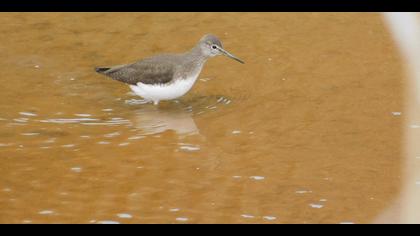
<point>174,209</point>
<point>317,206</point>
<point>51,140</point>
<point>124,216</point>
<point>46,212</point>
<point>396,113</point>
<point>108,222</point>
<point>30,134</point>
<point>103,142</point>
<point>236,132</point>
<point>248,216</point>
<point>76,169</point>
<point>68,145</point>
<point>257,177</point>
<point>110,135</point>
<point>269,217</point>
<point>83,115</point>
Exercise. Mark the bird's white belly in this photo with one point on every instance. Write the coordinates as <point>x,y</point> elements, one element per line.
<point>164,92</point>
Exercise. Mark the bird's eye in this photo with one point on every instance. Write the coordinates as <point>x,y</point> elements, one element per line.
<point>214,47</point>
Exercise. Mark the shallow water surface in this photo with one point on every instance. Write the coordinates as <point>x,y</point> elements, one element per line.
<point>307,131</point>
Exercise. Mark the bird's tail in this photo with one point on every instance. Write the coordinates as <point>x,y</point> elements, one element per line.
<point>102,70</point>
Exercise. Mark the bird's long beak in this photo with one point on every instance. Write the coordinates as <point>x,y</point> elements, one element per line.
<point>226,53</point>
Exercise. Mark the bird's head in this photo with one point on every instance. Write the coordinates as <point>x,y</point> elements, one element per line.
<point>211,46</point>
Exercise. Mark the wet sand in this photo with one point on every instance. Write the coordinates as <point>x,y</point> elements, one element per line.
<point>309,130</point>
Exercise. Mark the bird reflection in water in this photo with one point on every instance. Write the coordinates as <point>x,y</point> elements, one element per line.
<point>154,120</point>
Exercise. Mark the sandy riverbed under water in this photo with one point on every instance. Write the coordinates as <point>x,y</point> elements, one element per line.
<point>307,131</point>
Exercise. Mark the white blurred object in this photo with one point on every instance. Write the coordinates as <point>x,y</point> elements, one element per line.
<point>405,28</point>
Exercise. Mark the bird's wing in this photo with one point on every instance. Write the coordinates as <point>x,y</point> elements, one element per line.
<point>146,72</point>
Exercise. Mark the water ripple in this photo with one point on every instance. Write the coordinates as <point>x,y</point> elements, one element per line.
<point>87,121</point>
<point>24,113</point>
<point>67,121</point>
<point>188,147</point>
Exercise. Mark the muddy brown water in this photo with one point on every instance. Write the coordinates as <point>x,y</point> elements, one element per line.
<point>307,131</point>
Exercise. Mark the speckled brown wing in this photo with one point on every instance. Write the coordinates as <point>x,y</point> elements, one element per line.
<point>146,72</point>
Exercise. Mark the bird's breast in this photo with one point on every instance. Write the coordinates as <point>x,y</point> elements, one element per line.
<point>172,90</point>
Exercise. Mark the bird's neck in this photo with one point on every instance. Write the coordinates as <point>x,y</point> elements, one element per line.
<point>197,55</point>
